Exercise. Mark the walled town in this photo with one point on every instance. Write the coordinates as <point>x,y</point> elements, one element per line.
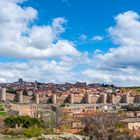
<point>64,107</point>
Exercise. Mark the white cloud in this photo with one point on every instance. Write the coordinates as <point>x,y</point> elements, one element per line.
<point>83,37</point>
<point>120,65</point>
<point>122,77</point>
<point>18,40</point>
<point>97,38</point>
<point>57,25</point>
<point>51,71</point>
<point>126,34</point>
<point>62,70</point>
<point>15,1</point>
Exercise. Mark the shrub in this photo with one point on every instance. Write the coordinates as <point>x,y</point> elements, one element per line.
<point>48,131</point>
<point>1,107</point>
<point>3,114</point>
<point>119,125</point>
<point>137,138</point>
<point>33,132</point>
<point>24,121</point>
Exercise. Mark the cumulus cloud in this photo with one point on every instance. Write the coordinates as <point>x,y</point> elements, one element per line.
<point>57,25</point>
<point>83,37</point>
<point>121,77</point>
<point>126,33</point>
<point>51,71</point>
<point>17,1</point>
<point>50,58</point>
<point>40,45</point>
<point>97,38</point>
<point>120,65</point>
<point>18,39</point>
<point>60,71</point>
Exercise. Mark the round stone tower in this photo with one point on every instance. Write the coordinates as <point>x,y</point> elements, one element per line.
<point>19,96</point>
<point>71,98</point>
<point>3,94</point>
<point>88,98</point>
<point>54,99</point>
<point>126,98</point>
<point>103,98</point>
<point>37,98</point>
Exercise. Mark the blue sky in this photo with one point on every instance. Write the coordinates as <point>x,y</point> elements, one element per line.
<point>89,17</point>
<point>70,40</point>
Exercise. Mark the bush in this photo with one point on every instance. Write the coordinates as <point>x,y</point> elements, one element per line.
<point>33,132</point>
<point>1,107</point>
<point>2,114</point>
<point>119,125</point>
<point>48,131</point>
<point>24,121</point>
<point>137,138</point>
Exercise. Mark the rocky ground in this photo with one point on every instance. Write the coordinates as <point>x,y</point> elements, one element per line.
<point>64,136</point>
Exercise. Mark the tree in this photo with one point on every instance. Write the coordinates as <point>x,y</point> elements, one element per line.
<point>58,117</point>
<point>102,127</point>
<point>54,118</point>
